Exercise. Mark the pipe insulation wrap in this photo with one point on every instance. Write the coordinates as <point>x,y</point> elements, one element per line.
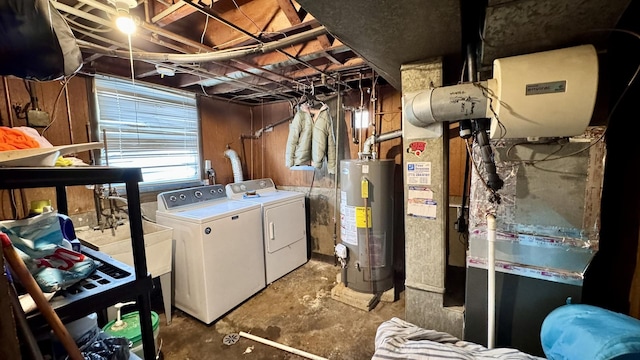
<point>446,104</point>
<point>220,55</point>
<point>236,166</point>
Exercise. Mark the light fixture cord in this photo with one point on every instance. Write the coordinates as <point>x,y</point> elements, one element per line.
<point>133,81</point>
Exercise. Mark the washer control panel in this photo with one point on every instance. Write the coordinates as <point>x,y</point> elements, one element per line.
<point>249,188</point>
<point>183,197</point>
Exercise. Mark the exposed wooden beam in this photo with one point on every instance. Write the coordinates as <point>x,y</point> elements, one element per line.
<point>332,58</point>
<point>168,12</point>
<point>290,11</point>
<point>353,63</point>
<point>324,41</point>
<point>176,12</point>
<point>311,48</point>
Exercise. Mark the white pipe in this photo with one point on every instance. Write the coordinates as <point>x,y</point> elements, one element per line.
<point>491,281</point>
<point>220,55</point>
<point>282,347</point>
<point>236,166</point>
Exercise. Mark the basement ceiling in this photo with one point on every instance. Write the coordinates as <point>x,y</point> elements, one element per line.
<point>257,51</point>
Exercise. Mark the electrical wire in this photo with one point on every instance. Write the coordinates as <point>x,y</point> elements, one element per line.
<point>507,156</point>
<point>133,77</point>
<point>463,238</point>
<point>464,67</point>
<point>495,197</point>
<point>245,15</point>
<point>490,95</point>
<point>204,30</point>
<point>65,83</point>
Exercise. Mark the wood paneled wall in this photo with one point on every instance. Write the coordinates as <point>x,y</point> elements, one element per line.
<point>69,126</point>
<point>269,150</point>
<point>222,124</point>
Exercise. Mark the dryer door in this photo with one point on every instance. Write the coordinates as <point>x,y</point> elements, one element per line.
<point>284,224</point>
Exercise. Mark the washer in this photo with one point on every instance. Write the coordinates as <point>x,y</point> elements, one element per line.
<point>284,224</point>
<point>218,251</point>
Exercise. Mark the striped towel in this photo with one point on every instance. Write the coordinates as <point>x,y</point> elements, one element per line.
<point>398,339</point>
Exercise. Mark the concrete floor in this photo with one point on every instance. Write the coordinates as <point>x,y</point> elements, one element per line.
<point>296,310</point>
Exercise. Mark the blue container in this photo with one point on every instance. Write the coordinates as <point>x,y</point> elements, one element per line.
<point>578,331</point>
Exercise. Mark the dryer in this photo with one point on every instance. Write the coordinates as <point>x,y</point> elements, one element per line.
<point>284,224</point>
<point>218,249</point>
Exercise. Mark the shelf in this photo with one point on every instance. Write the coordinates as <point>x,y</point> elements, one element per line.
<point>113,281</point>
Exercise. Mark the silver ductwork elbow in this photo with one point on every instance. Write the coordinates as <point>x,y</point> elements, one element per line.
<point>446,104</point>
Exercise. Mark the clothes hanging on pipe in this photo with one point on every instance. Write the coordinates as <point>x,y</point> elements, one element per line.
<point>311,139</point>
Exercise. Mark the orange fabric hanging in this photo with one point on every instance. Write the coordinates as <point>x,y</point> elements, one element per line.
<point>11,139</point>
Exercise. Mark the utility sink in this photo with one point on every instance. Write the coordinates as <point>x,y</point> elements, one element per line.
<point>158,250</point>
<point>157,242</point>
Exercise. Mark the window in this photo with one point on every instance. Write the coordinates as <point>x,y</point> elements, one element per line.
<point>149,127</point>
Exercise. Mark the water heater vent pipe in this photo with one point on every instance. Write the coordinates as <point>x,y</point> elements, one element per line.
<point>369,151</point>
<point>236,166</point>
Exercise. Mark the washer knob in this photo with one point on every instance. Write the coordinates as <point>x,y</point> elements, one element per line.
<point>220,190</point>
<point>198,194</point>
<point>183,196</point>
<point>173,198</point>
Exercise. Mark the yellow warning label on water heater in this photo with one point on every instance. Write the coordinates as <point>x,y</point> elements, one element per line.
<point>361,220</point>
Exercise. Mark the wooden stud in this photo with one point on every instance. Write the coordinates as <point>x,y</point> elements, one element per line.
<point>290,11</point>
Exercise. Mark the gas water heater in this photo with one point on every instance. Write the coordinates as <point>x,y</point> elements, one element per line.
<point>366,225</point>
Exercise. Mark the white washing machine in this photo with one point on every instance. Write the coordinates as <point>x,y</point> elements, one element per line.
<point>284,224</point>
<point>218,251</point>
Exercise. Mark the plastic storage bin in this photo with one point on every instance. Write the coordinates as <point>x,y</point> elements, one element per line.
<point>130,329</point>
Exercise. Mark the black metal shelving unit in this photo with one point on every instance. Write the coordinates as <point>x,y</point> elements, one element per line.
<point>113,281</point>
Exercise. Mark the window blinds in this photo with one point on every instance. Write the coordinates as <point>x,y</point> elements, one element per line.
<point>151,128</point>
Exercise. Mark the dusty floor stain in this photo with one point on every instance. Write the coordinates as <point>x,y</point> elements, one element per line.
<point>296,311</point>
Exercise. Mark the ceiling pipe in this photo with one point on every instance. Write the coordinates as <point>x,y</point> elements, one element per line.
<point>264,48</point>
<point>219,18</point>
<point>170,35</point>
<point>185,68</point>
<point>81,14</point>
<point>210,56</point>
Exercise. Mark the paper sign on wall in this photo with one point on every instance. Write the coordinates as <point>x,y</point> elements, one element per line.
<point>419,173</point>
<point>419,192</point>
<point>422,208</point>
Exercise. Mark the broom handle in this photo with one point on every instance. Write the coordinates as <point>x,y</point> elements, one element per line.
<point>23,274</point>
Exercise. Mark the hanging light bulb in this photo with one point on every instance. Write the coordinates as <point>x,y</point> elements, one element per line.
<point>126,24</point>
<point>124,21</point>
